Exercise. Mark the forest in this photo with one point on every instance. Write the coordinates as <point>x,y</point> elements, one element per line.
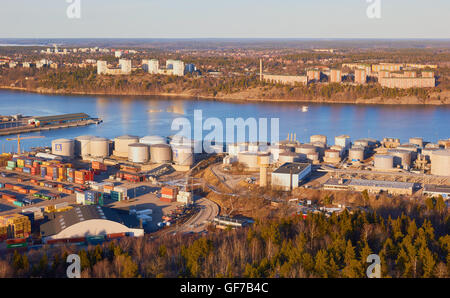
<point>415,244</point>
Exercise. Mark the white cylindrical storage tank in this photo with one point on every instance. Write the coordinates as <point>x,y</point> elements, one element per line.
<point>338,148</point>
<point>313,157</point>
<point>305,149</point>
<point>99,147</point>
<point>160,153</point>
<point>83,146</point>
<point>343,141</point>
<point>275,151</point>
<point>432,146</point>
<point>428,152</point>
<point>416,141</point>
<point>183,155</point>
<point>121,144</point>
<point>235,148</point>
<point>63,148</point>
<point>216,148</point>
<point>138,153</point>
<point>253,147</point>
<point>384,162</point>
<point>249,159</point>
<point>356,154</point>
<point>152,140</point>
<point>401,157</point>
<point>440,162</point>
<point>318,138</point>
<point>288,157</point>
<point>263,159</point>
<point>332,153</point>
<point>361,143</point>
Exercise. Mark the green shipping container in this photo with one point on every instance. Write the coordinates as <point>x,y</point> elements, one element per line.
<point>17,245</point>
<point>17,203</point>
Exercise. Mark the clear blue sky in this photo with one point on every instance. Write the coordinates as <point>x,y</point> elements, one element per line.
<point>225,19</point>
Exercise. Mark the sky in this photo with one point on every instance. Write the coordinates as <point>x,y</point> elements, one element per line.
<point>225,19</point>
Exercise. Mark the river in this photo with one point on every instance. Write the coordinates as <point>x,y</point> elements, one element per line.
<point>143,116</point>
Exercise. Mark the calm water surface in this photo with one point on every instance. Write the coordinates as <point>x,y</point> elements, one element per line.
<point>154,115</point>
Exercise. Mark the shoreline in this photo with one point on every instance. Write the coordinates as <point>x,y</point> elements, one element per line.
<point>237,99</point>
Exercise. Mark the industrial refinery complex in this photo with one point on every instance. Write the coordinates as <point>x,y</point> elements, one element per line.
<point>92,188</point>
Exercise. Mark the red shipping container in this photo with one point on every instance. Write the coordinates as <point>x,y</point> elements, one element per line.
<point>115,235</point>
<point>16,240</point>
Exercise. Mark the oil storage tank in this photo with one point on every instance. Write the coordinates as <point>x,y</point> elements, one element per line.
<point>343,141</point>
<point>249,159</point>
<point>401,157</point>
<point>355,154</point>
<point>318,138</point>
<point>416,141</point>
<point>83,146</point>
<point>183,155</point>
<point>288,157</point>
<point>332,156</point>
<point>384,162</point>
<point>440,162</point>
<point>276,150</point>
<point>160,153</point>
<point>235,148</point>
<point>138,153</point>
<point>99,147</point>
<point>63,148</point>
<point>152,140</point>
<point>121,144</point>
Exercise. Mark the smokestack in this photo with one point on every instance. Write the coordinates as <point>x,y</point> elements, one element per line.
<point>295,137</point>
<point>260,70</point>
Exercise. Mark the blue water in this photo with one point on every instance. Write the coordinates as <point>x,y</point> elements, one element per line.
<point>154,115</point>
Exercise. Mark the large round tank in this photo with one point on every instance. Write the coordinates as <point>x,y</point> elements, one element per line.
<point>263,159</point>
<point>216,148</point>
<point>432,146</point>
<point>183,141</point>
<point>384,162</point>
<point>416,141</point>
<point>63,148</point>
<point>83,145</point>
<point>343,141</point>
<point>428,152</point>
<point>401,157</point>
<point>440,162</point>
<point>249,159</point>
<point>153,140</point>
<point>288,157</point>
<point>305,149</point>
<point>121,144</point>
<point>99,147</point>
<point>276,150</point>
<point>138,153</point>
<point>361,143</point>
<point>338,148</point>
<point>258,147</point>
<point>183,155</point>
<point>313,157</point>
<point>356,154</point>
<point>160,153</point>
<point>318,138</point>
<point>235,148</point>
<point>332,153</point>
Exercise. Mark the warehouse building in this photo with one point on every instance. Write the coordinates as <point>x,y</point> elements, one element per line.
<point>377,186</point>
<point>433,190</point>
<point>90,220</point>
<point>290,175</point>
<point>66,118</point>
<point>372,186</point>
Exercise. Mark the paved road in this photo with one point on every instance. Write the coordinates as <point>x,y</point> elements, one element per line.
<point>197,223</point>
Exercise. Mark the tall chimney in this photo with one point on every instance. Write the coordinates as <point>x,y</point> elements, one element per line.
<point>260,70</point>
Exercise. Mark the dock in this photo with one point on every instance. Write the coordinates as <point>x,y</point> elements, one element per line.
<point>49,123</point>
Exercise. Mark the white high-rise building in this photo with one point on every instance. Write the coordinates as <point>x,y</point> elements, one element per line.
<point>151,66</point>
<point>125,66</point>
<point>101,67</point>
<point>177,67</point>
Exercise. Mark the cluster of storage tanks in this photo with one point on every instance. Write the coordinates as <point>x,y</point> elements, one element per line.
<point>251,154</point>
<point>403,155</point>
<point>153,149</point>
